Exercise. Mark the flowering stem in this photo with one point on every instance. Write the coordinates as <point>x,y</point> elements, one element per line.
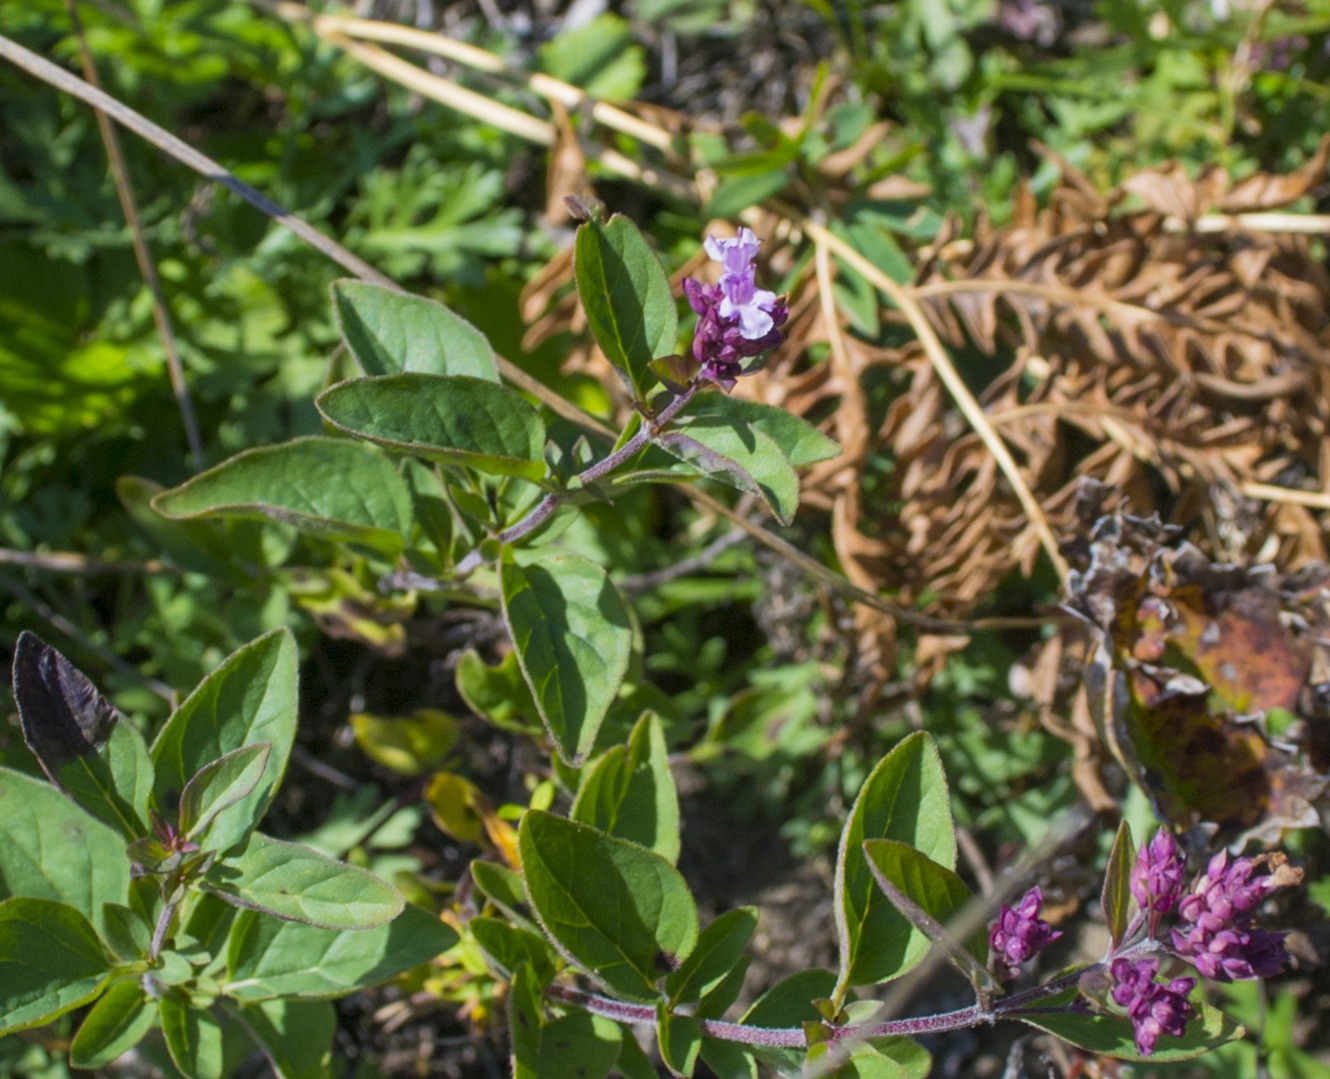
<point>795,1038</point>
<point>545,508</point>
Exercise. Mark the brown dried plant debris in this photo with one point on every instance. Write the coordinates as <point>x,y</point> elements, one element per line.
<point>1176,364</point>
<point>1207,681</point>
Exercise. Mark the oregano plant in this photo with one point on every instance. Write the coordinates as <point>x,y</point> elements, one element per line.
<point>134,885</point>
<point>176,914</point>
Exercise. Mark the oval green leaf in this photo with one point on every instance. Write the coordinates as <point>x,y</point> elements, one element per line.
<point>456,420</point>
<point>114,1025</point>
<point>221,784</point>
<point>302,885</point>
<point>296,1036</point>
<point>50,849</point>
<point>508,947</point>
<point>800,442</point>
<point>629,791</point>
<point>250,698</point>
<point>50,962</point>
<point>741,455</point>
<point>906,799</point>
<point>620,912</point>
<point>195,1040</point>
<point>719,948</point>
<point>940,898</point>
<point>1111,1035</point>
<point>572,636</point>
<point>268,958</point>
<point>627,298</point>
<point>324,486</point>
<point>389,331</point>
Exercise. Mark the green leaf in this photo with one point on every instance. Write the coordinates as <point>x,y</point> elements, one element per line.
<point>508,947</point>
<point>116,1023</point>
<point>87,747</point>
<point>679,1038</point>
<point>51,961</point>
<point>728,1060</point>
<point>627,297</point>
<point>1111,1035</point>
<point>501,886</point>
<point>742,456</point>
<point>800,442</point>
<point>333,487</point>
<point>295,1035</point>
<point>268,958</point>
<point>736,194</point>
<point>389,332</point>
<point>456,420</point>
<point>498,694</point>
<point>864,1061</point>
<point>1117,896</point>
<point>633,1062</point>
<point>939,896</point>
<point>719,947</point>
<point>719,999</point>
<point>51,850</point>
<point>411,745</point>
<point>578,1046</point>
<point>221,784</point>
<point>574,1046</point>
<point>629,791</point>
<point>572,636</point>
<point>906,799</point>
<point>195,1040</point>
<point>125,930</point>
<point>600,56</point>
<point>619,911</point>
<point>250,698</point>
<point>295,882</point>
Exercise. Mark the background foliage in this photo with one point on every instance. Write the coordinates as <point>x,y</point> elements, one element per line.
<point>1079,147</point>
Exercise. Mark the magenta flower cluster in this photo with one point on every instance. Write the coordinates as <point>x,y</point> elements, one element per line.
<point>1157,877</point>
<point>736,319</point>
<point>1019,934</point>
<point>1153,1008</point>
<point>1215,930</point>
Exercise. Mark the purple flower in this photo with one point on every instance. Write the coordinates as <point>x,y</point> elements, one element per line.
<point>1153,1008</point>
<point>1215,929</point>
<point>1156,879</point>
<point>736,319</point>
<point>1019,934</point>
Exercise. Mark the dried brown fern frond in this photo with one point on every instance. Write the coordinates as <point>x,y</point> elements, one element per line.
<point>1180,364</point>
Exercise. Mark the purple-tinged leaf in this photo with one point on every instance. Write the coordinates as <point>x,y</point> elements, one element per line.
<point>81,741</point>
<point>1117,884</point>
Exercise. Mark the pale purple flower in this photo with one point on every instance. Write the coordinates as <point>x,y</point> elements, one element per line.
<point>1215,930</point>
<point>1019,934</point>
<point>1154,1008</point>
<point>736,319</point>
<point>1156,878</point>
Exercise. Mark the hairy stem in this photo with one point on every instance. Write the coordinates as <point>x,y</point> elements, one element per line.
<point>795,1038</point>
<point>545,508</point>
